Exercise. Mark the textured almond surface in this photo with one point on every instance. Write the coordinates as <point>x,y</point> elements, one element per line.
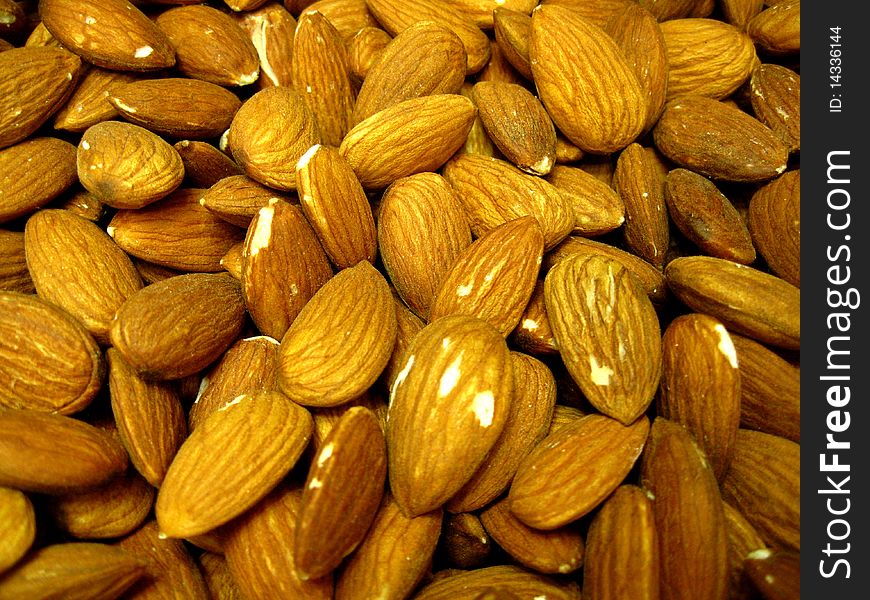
<point>17,526</point>
<point>775,225</point>
<point>34,172</point>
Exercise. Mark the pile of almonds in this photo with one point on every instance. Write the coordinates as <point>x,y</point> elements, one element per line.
<point>400,299</point>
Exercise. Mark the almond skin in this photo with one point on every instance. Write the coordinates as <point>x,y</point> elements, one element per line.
<point>14,276</point>
<point>777,28</point>
<point>218,467</point>
<point>364,51</point>
<point>34,172</point>
<point>113,34</point>
<point>341,341</point>
<point>776,100</point>
<point>17,526</point>
<point>205,165</point>
<point>775,225</point>
<point>156,332</point>
<point>533,334</point>
<point>597,208</point>
<point>511,30</point>
<point>574,469</point>
<point>519,582</point>
<point>271,29</point>
<point>438,401</point>
<point>89,103</point>
<point>237,199</point>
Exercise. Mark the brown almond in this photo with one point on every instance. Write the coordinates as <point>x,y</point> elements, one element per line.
<point>751,302</point>
<point>205,165</point>
<point>742,540</point>
<point>237,199</point>
<point>533,334</point>
<point>84,204</point>
<point>597,208</point>
<point>89,103</point>
<point>271,29</point>
<point>347,16</point>
<point>740,12</point>
<point>14,276</point>
<point>464,542</point>
<point>408,325</point>
<point>178,326</point>
<point>210,45</point>
<point>364,51</point>
<point>775,225</point>
<point>776,574</point>
<point>512,30</point>
<point>17,526</point>
<point>777,29</point>
<point>776,101</point>
<point>520,582</point>
<point>574,469</point>
<point>34,172</point>
<point>217,465</point>
<point>325,419</point>
<point>49,360</point>
<point>112,34</point>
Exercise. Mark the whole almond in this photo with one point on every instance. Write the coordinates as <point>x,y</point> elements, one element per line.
<point>127,166</point>
<point>49,360</point>
<point>205,165</point>
<point>218,467</point>
<point>210,45</point>
<point>444,418</point>
<point>237,199</point>
<point>53,454</point>
<point>76,266</point>
<point>34,172</point>
<point>17,526</point>
<point>347,16</point>
<point>774,573</point>
<point>113,34</point>
<point>597,208</point>
<point>271,29</point>
<point>776,100</point>
<point>740,12</point>
<point>89,103</point>
<point>520,582</point>
<point>410,137</point>
<point>364,51</point>
<point>777,29</point>
<point>573,470</point>
<point>749,301</point>
<point>613,104</point>
<point>775,224</point>
<point>512,35</point>
<point>607,331</point>
<point>178,326</point>
<point>14,276</point>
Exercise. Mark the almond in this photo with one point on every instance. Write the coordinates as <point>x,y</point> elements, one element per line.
<point>49,360</point>
<point>608,333</point>
<point>353,317</point>
<point>14,276</point>
<point>218,467</point>
<point>719,141</point>
<point>271,29</point>
<point>89,103</point>
<point>776,100</point>
<point>568,53</point>
<point>512,30</point>
<point>534,334</point>
<point>53,454</point>
<point>425,59</point>
<point>462,418</point>
<point>205,165</point>
<point>237,199</point>
<point>740,12</point>
<point>17,526</point>
<point>336,206</point>
<point>76,266</point>
<point>34,172</point>
<point>210,45</point>
<point>283,267</point>
<point>347,16</point>
<point>464,542</point>
<point>178,326</point>
<point>364,51</point>
<point>12,17</point>
<point>774,573</point>
<point>742,540</point>
<point>520,582</point>
<point>777,29</point>
<point>408,325</point>
<point>127,166</point>
<point>775,225</point>
<point>113,34</point>
<point>573,470</point>
<point>410,137</point>
<point>597,208</point>
<point>84,204</point>
<point>749,301</point>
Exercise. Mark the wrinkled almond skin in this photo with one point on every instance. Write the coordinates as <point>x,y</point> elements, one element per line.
<point>219,467</point>
<point>17,526</point>
<point>341,341</point>
<point>33,173</point>
<point>237,199</point>
<point>776,101</point>
<point>89,103</point>
<point>555,486</point>
<point>519,582</point>
<point>14,276</point>
<point>364,52</point>
<point>742,540</point>
<point>511,30</point>
<point>445,416</point>
<point>533,334</point>
<point>205,165</point>
<point>597,207</point>
<point>775,225</point>
<point>777,29</point>
<point>178,326</point>
<point>271,28</point>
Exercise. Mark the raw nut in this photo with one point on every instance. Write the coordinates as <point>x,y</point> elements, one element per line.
<point>112,34</point>
<point>271,29</point>
<point>597,11</point>
<point>534,334</point>
<point>666,10</point>
<point>53,454</point>
<point>775,225</point>
<point>740,12</point>
<point>237,199</point>
<point>14,276</point>
<point>422,228</point>
<point>364,51</point>
<point>742,540</point>
<point>33,173</point>
<point>688,514</point>
<point>518,124</point>
<point>270,133</point>
<point>495,192</point>
<point>12,17</point>
<point>622,549</point>
<point>639,179</point>
<point>396,16</point>
<point>719,141</point>
<point>259,550</point>
<point>512,30</point>
<point>178,326</point>
<point>341,340</point>
<point>127,166</point>
<point>706,217</point>
<point>336,206</point>
<point>408,325</point>
<point>777,29</point>
<point>84,204</point>
<point>520,582</point>
<point>347,16</point>
<point>89,103</point>
<point>774,573</point>
<point>325,419</point>
<point>249,365</point>
<point>219,467</point>
<point>445,416</point>
<point>283,267</point>
<point>48,360</point>
<point>342,493</point>
<point>181,108</point>
<point>600,108</point>
<point>763,483</point>
<point>320,68</point>
<point>555,551</point>
<point>748,301</point>
<point>413,136</point>
<point>149,418</point>
<point>608,333</point>
<point>17,526</point>
<point>75,265</point>
<point>700,387</point>
<point>210,45</point>
<point>205,165</point>
<point>776,100</point>
<point>706,57</point>
<point>597,208</point>
<point>527,423</point>
<point>481,11</point>
<point>176,232</point>
<point>76,571</point>
<point>423,60</point>
<point>41,37</point>
<point>574,469</point>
